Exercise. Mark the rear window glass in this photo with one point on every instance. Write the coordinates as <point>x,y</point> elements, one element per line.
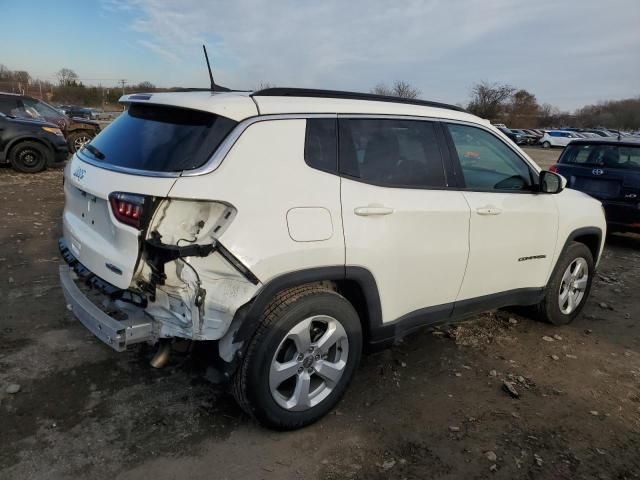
<point>160,139</point>
<point>608,156</point>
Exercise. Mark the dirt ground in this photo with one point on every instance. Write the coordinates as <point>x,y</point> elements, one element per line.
<point>431,407</point>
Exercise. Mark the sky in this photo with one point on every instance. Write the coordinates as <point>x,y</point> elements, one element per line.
<point>566,52</point>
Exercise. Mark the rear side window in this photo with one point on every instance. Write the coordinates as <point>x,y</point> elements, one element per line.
<point>394,153</point>
<point>607,156</point>
<point>8,105</point>
<point>160,138</point>
<point>321,144</point>
<point>487,163</point>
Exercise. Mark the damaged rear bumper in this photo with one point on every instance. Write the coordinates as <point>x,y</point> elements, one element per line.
<point>117,334</point>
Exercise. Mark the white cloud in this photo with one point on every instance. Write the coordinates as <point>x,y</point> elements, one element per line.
<point>438,45</point>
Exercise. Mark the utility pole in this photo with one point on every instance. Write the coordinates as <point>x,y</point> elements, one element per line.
<point>122,82</point>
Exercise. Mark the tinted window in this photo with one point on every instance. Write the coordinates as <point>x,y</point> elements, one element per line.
<point>398,153</point>
<point>159,138</point>
<point>321,144</point>
<point>487,163</point>
<point>7,105</point>
<point>609,156</point>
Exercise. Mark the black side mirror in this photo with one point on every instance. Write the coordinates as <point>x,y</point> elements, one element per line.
<point>551,182</point>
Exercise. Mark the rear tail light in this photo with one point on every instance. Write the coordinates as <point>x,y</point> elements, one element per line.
<point>553,168</point>
<point>127,207</point>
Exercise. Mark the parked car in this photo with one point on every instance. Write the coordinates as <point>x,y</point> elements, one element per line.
<point>557,138</point>
<point>30,146</point>
<point>534,133</point>
<point>609,170</point>
<point>524,137</point>
<point>510,135</point>
<point>74,111</point>
<point>77,132</point>
<point>371,224</point>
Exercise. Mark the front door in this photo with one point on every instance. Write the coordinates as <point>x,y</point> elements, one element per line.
<point>513,229</point>
<point>400,219</point>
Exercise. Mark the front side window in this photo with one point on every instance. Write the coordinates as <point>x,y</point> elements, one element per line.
<point>389,152</point>
<point>487,163</point>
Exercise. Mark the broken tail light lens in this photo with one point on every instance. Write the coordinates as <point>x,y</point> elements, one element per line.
<point>127,208</point>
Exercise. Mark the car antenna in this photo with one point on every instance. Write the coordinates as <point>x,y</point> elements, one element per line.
<point>213,84</point>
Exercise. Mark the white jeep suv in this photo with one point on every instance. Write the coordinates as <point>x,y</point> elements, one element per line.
<point>295,227</point>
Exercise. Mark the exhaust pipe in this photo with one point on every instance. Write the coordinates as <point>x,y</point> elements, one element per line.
<point>161,358</point>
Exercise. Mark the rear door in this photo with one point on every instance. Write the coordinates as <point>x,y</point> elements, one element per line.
<point>112,184</point>
<point>513,230</point>
<point>401,221</point>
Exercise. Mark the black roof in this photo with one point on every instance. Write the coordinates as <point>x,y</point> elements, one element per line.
<point>314,93</point>
<point>626,141</point>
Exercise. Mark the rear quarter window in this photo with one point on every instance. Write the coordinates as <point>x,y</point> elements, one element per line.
<point>160,138</point>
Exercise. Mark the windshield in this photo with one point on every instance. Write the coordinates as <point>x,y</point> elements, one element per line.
<point>160,138</point>
<point>609,156</point>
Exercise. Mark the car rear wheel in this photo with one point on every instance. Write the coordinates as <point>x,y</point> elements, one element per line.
<point>546,145</point>
<point>29,157</point>
<point>301,359</point>
<point>569,286</point>
<point>77,140</point>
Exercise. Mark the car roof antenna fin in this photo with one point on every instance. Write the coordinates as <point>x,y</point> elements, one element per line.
<point>213,84</point>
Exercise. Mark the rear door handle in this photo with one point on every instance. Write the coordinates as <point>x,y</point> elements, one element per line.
<point>370,211</point>
<point>488,210</point>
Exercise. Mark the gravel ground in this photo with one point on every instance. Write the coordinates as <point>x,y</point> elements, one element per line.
<point>434,406</point>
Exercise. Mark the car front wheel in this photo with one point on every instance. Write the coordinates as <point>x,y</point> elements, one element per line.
<point>569,285</point>
<point>546,145</point>
<point>301,359</point>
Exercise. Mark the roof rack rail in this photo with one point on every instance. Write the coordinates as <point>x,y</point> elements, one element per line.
<point>315,93</point>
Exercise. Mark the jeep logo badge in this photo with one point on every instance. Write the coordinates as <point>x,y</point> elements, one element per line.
<point>79,173</point>
<point>597,171</point>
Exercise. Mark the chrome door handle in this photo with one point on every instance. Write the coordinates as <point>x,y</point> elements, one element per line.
<point>370,211</point>
<point>489,210</point>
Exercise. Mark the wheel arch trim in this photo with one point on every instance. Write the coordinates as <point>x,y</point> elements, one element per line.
<point>248,316</point>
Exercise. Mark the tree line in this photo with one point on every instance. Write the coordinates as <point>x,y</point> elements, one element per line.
<point>497,102</point>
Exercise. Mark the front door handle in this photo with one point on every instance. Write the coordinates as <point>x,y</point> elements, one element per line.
<point>488,210</point>
<point>370,211</point>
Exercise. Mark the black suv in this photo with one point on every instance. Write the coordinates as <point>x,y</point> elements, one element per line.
<point>31,145</point>
<point>609,170</point>
<point>77,131</point>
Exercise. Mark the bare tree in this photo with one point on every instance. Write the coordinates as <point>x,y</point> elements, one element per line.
<point>145,87</point>
<point>524,110</point>
<point>488,100</point>
<point>264,86</point>
<point>66,77</point>
<point>5,73</point>
<point>398,89</point>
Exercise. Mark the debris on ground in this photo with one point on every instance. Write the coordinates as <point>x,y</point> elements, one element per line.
<point>12,388</point>
<point>555,357</point>
<point>453,428</point>
<point>557,337</point>
<point>546,338</point>
<point>510,388</point>
<point>491,456</point>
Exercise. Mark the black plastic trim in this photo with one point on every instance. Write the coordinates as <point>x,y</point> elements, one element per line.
<point>316,93</point>
<point>580,232</point>
<point>251,315</point>
<point>377,333</point>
